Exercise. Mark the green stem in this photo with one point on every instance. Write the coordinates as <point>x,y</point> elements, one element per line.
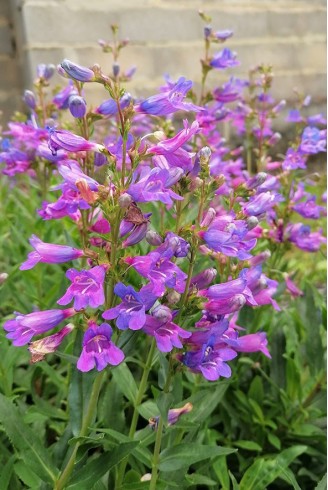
<point>92,407</point>
<point>135,416</point>
<point>186,291</point>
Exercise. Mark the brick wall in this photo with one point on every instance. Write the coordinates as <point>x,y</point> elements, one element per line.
<point>166,37</point>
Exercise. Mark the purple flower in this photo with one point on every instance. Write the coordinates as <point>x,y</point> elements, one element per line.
<point>153,185</point>
<point>49,253</point>
<point>250,343</point>
<point>294,159</point>
<point>29,99</point>
<point>98,351</point>
<point>223,35</point>
<point>228,290</point>
<point>45,71</point>
<point>224,59</point>
<point>313,141</point>
<point>223,307</point>
<point>61,99</point>
<point>49,344</point>
<point>174,245</point>
<point>211,363</point>
<point>131,313</point>
<point>294,116</point>
<point>160,271</point>
<point>62,139</point>
<point>169,101</point>
<point>77,72</point>
<point>301,235</point>
<point>72,174</point>
<point>24,327</point>
<point>87,288</point>
<point>203,279</point>
<point>309,209</point>
<point>230,91</point>
<point>261,203</point>
<point>167,334</point>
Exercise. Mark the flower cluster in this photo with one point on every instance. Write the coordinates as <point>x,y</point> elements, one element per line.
<point>176,227</point>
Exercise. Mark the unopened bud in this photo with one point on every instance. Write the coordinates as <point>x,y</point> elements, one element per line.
<point>207,31</point>
<point>153,238</point>
<point>77,106</point>
<point>162,313</point>
<point>29,99</point>
<point>260,258</point>
<point>204,278</point>
<point>100,159</point>
<point>77,72</point>
<point>257,180</point>
<point>274,139</point>
<point>205,154</point>
<point>45,71</point>
<point>208,218</point>
<point>116,69</point>
<point>3,277</point>
<point>251,222</point>
<point>124,200</point>
<point>196,183</point>
<point>173,297</point>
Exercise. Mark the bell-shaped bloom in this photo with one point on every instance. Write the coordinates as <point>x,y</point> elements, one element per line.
<point>170,101</point>
<point>131,313</point>
<point>301,235</point>
<point>261,203</point>
<point>230,91</point>
<point>294,159</point>
<point>309,209</point>
<point>40,348</point>
<point>154,185</point>
<point>291,287</point>
<point>61,99</point>
<point>49,253</point>
<point>224,307</point>
<point>87,288</point>
<point>253,342</point>
<point>204,278</point>
<point>98,350</point>
<point>229,290</point>
<point>24,327</point>
<point>224,59</point>
<point>313,141</point>
<point>62,139</point>
<point>211,363</point>
<point>68,204</point>
<point>160,271</point>
<point>72,174</point>
<point>45,71</point>
<point>174,245</point>
<point>167,334</point>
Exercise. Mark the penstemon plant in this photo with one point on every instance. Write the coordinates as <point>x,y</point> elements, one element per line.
<point>176,233</point>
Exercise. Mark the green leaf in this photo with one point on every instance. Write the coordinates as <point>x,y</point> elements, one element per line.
<point>249,445</point>
<point>221,470</point>
<point>184,455</point>
<point>164,402</point>
<point>27,475</point>
<point>235,485</point>
<point>264,471</point>
<point>6,472</point>
<point>86,477</point>
<point>322,485</point>
<point>125,381</point>
<point>26,441</point>
<point>196,479</point>
<point>274,440</point>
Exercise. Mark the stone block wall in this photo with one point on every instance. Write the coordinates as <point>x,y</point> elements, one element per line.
<point>166,37</point>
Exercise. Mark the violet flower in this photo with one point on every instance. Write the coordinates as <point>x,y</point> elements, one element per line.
<point>313,141</point>
<point>98,350</point>
<point>301,235</point>
<point>49,253</point>
<point>169,101</point>
<point>77,72</point>
<point>250,343</point>
<point>172,417</point>
<point>72,174</point>
<point>167,334</point>
<point>211,363</point>
<point>24,327</point>
<point>294,159</point>
<point>160,271</point>
<point>87,288</point>
<point>109,107</point>
<point>131,313</point>
<point>224,59</point>
<point>62,139</point>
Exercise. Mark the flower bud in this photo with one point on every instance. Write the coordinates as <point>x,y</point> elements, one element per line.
<point>45,71</point>
<point>274,139</point>
<point>29,99</point>
<point>100,159</point>
<point>162,313</point>
<point>3,277</point>
<point>196,183</point>
<point>205,155</point>
<point>173,297</point>
<point>208,218</point>
<point>251,222</point>
<point>207,31</point>
<point>260,258</point>
<point>153,238</point>
<point>77,106</point>
<point>204,278</point>
<point>257,180</point>
<point>124,200</point>
<point>77,72</point>
<point>116,69</point>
